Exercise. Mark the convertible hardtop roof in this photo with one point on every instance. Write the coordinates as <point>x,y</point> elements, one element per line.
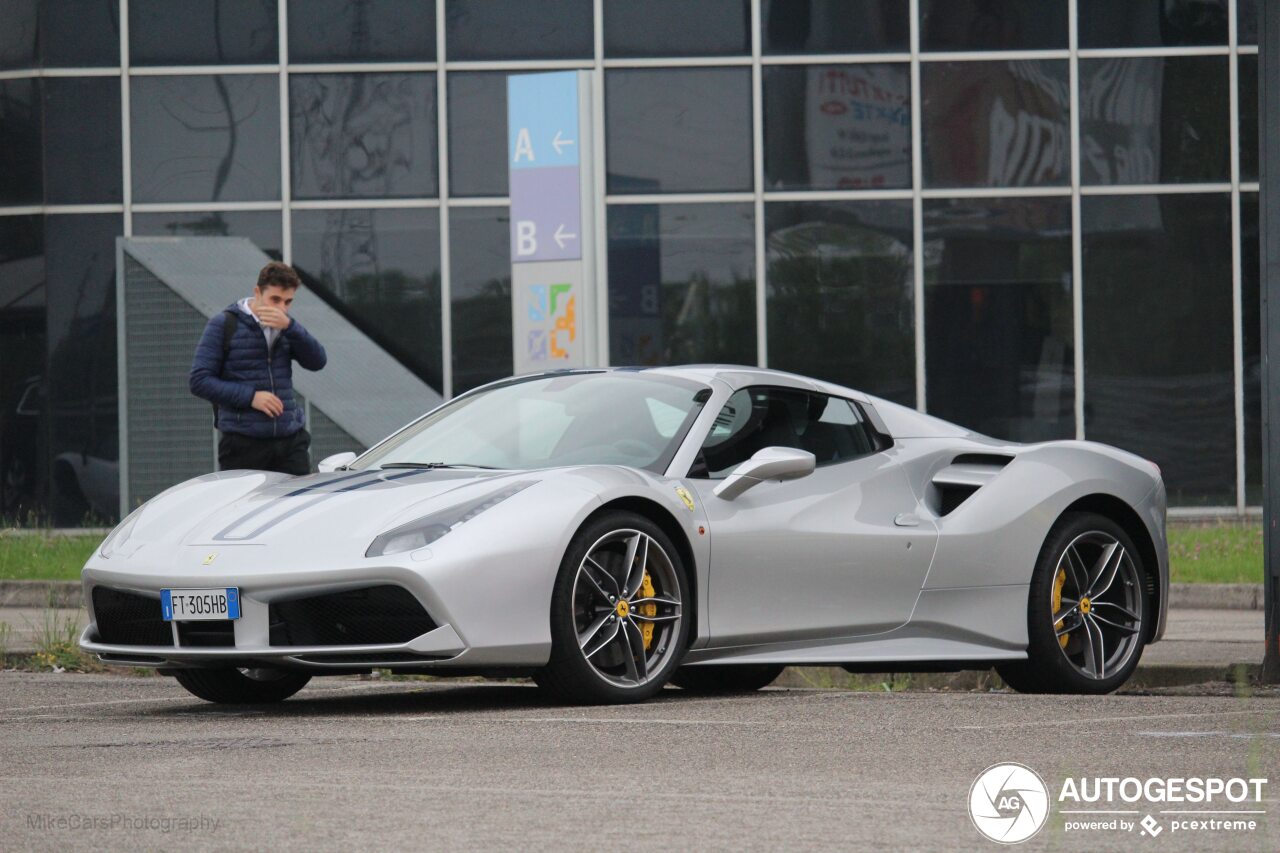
<point>734,375</point>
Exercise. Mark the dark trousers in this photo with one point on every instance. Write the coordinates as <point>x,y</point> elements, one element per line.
<point>288,455</point>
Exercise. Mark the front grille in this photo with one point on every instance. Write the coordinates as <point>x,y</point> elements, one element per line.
<point>128,619</point>
<point>216,632</point>
<point>376,615</point>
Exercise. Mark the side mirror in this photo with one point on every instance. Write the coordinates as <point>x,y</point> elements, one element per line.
<point>336,461</point>
<point>771,463</point>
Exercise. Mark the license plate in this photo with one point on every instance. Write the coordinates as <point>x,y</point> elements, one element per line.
<point>200,605</point>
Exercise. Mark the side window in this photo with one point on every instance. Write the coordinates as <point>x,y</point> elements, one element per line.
<point>830,428</point>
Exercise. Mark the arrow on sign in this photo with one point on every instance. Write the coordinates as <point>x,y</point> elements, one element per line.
<point>559,143</point>
<point>561,236</point>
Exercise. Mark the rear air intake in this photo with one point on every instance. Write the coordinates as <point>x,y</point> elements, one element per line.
<point>376,615</point>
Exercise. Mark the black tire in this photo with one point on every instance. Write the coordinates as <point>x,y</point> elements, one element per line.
<point>1049,667</point>
<point>569,676</point>
<point>235,687</point>
<point>726,678</point>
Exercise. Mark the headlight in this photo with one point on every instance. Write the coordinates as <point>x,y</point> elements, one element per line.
<point>118,538</point>
<point>422,532</point>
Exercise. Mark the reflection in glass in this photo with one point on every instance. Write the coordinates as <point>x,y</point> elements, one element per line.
<point>518,29</point>
<point>1153,120</point>
<point>360,31</point>
<point>24,480</point>
<point>480,295</point>
<point>1248,80</point>
<point>1251,346</point>
<point>1247,21</point>
<point>206,138</point>
<point>80,385</point>
<point>834,26</point>
<point>82,140</point>
<point>20,151</point>
<point>203,32</point>
<point>681,284</point>
<point>79,33</point>
<point>993,24</point>
<point>381,270</point>
<point>477,133</point>
<point>839,290</point>
<point>1158,337</point>
<point>362,135</point>
<point>18,27</point>
<point>677,28</point>
<point>998,316</point>
<point>1169,23</point>
<point>263,227</point>
<point>996,124</point>
<point>829,127</point>
<point>678,130</point>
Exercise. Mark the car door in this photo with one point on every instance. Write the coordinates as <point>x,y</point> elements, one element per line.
<point>840,552</point>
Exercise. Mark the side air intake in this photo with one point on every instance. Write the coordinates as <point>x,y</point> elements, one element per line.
<point>957,482</point>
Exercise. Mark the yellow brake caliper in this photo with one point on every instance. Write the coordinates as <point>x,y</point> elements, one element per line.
<point>650,609</point>
<point>1058,583</point>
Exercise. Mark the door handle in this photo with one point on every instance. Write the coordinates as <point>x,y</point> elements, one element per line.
<point>906,519</point>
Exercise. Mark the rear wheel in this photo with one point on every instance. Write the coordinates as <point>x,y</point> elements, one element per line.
<point>726,678</point>
<point>618,626</point>
<point>241,686</point>
<point>1086,611</point>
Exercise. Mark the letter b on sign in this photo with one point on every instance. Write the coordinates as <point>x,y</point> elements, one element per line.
<point>526,239</point>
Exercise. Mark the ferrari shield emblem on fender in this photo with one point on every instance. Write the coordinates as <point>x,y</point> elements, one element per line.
<point>684,495</point>
<point>209,559</point>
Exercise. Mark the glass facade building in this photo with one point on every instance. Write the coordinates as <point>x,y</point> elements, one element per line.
<point>1037,218</point>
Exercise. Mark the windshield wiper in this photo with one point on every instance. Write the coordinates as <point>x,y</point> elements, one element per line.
<point>427,466</point>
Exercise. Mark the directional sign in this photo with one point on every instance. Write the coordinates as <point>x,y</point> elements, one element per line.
<point>549,168</point>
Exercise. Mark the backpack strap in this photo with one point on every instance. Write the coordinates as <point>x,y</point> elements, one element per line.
<point>230,320</point>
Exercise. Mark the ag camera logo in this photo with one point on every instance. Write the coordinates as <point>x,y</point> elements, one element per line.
<point>1008,803</point>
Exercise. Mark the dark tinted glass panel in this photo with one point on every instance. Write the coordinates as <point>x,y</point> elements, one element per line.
<point>362,135</point>
<point>1154,120</point>
<point>996,124</point>
<point>1251,340</point>
<point>205,138</point>
<point>261,226</point>
<point>677,28</point>
<point>360,31</point>
<point>81,382</point>
<point>477,133</point>
<point>480,294</point>
<point>834,26</point>
<point>998,319</point>
<point>203,32</point>
<point>1247,21</point>
<point>839,289</point>
<point>23,431</point>
<point>1158,337</point>
<point>82,140</point>
<point>79,33</point>
<point>20,150</point>
<point>381,270</point>
<point>18,27</point>
<point>678,130</point>
<point>1248,73</point>
<point>837,126</point>
<point>1104,23</point>
<point>993,24</point>
<point>681,284</point>
<point>518,29</point>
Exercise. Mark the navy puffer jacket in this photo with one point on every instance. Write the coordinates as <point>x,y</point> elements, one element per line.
<point>249,368</point>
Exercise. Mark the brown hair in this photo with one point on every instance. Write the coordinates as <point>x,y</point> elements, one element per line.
<point>276,274</point>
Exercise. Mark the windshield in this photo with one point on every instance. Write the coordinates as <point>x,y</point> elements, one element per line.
<point>568,419</point>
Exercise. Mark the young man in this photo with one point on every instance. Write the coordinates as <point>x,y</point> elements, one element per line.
<point>247,373</point>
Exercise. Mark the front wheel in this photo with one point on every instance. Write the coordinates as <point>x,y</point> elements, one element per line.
<point>241,686</point>
<point>618,626</point>
<point>1087,611</point>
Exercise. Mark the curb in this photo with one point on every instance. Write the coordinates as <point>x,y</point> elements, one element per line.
<point>67,594</point>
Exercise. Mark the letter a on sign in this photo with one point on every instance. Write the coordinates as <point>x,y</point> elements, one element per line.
<point>524,147</point>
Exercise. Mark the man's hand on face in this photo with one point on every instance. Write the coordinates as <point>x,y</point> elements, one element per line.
<point>273,317</point>
<point>267,403</point>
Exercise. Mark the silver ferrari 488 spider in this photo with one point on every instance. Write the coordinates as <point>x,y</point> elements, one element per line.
<point>610,531</point>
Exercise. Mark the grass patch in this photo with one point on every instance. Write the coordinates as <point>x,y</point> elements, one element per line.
<point>46,557</point>
<point>1224,552</point>
<point>57,649</point>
